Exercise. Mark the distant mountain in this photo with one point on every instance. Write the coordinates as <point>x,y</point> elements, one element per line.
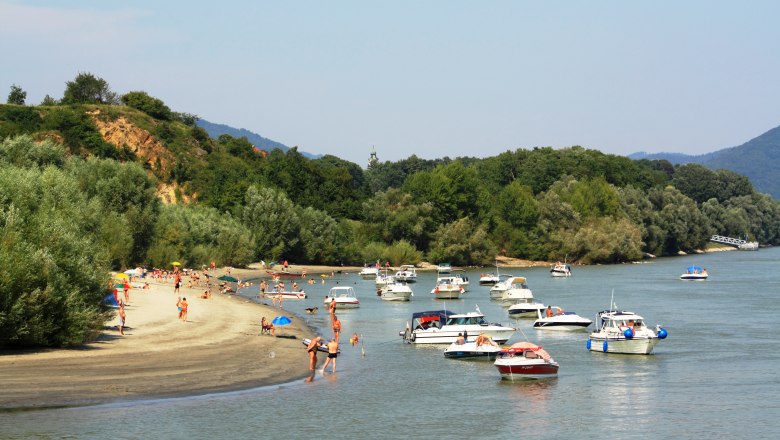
<point>215,130</point>
<point>757,159</point>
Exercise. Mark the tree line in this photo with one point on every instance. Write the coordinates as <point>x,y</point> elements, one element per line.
<point>74,207</point>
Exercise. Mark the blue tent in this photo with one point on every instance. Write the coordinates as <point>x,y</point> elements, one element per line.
<point>109,299</point>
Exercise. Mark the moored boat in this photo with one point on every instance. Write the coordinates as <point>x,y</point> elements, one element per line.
<point>560,270</point>
<point>344,296</point>
<point>396,291</point>
<point>524,361</point>
<point>444,326</point>
<point>369,272</point>
<point>470,350</point>
<point>623,332</point>
<point>555,318</point>
<point>444,268</point>
<point>286,295</point>
<point>447,288</point>
<point>407,274</point>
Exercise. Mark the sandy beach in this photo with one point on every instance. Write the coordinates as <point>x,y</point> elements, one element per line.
<point>219,348</point>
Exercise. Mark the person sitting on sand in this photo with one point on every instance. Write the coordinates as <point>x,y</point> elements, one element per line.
<point>206,295</point>
<point>266,327</point>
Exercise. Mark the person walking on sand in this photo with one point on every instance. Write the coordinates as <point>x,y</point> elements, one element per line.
<point>312,350</point>
<point>178,306</point>
<point>333,353</point>
<point>122,318</point>
<point>126,289</point>
<point>176,283</point>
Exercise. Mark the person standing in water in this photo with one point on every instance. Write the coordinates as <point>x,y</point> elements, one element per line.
<point>333,353</point>
<point>312,350</point>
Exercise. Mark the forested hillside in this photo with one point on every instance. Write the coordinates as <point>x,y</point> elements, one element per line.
<point>96,181</point>
<point>757,159</point>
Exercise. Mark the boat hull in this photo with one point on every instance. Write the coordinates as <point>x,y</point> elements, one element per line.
<point>285,295</point>
<point>559,274</point>
<point>693,277</point>
<point>519,368</point>
<point>525,310</point>
<point>438,336</point>
<point>561,326</point>
<point>471,351</point>
<point>396,296</point>
<point>622,345</point>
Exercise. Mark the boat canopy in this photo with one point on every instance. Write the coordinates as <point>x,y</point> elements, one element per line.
<point>432,315</point>
<point>695,269</point>
<point>520,347</point>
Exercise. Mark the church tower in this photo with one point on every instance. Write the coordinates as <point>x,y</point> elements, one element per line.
<point>372,159</point>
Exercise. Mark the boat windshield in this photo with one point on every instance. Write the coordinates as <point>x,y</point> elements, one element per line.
<point>465,320</point>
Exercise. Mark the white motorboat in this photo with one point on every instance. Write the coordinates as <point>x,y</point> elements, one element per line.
<point>490,279</point>
<point>383,279</point>
<point>444,326</point>
<point>286,295</point>
<point>369,272</point>
<point>516,291</point>
<point>524,361</point>
<point>396,291</point>
<point>695,273</point>
<point>528,309</point>
<point>470,350</point>
<point>497,291</point>
<point>344,296</point>
<point>459,277</point>
<point>407,274</point>
<point>623,332</point>
<point>444,268</point>
<point>555,318</point>
<point>560,270</point>
<point>448,288</point>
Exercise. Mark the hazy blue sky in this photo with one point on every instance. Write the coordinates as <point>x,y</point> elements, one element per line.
<point>432,78</point>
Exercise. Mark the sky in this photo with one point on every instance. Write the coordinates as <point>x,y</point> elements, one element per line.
<point>432,78</point>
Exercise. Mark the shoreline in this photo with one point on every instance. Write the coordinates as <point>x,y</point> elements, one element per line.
<point>219,349</point>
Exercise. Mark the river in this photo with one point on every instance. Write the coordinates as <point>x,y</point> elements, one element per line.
<point>715,376</point>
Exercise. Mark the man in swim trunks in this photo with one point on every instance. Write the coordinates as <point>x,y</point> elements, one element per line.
<point>333,353</point>
<point>312,349</point>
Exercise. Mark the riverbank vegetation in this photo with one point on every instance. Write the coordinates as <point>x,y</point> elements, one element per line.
<point>77,199</point>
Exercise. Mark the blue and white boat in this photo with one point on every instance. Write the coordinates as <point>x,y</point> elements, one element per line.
<point>695,273</point>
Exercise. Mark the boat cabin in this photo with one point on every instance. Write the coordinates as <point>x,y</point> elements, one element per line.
<point>430,319</point>
<point>467,319</point>
<point>617,320</point>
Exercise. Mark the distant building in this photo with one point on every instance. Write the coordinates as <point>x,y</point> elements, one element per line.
<point>372,159</point>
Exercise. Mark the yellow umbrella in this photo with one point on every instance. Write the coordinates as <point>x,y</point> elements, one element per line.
<point>176,263</point>
<point>121,275</point>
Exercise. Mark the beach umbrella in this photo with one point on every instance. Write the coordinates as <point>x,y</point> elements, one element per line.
<point>132,272</point>
<point>176,263</point>
<point>281,321</point>
<point>228,278</point>
<point>121,276</point>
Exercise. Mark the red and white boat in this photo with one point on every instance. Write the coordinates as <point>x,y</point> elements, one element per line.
<point>524,360</point>
<point>286,295</point>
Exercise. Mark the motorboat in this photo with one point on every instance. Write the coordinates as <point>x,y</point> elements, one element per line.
<point>369,272</point>
<point>560,320</point>
<point>444,326</point>
<point>344,296</point>
<point>383,279</point>
<point>444,268</point>
<point>695,273</point>
<point>407,274</point>
<point>470,350</point>
<point>529,309</point>
<point>524,361</point>
<point>447,288</point>
<point>488,279</point>
<point>286,295</point>
<point>516,291</point>
<point>560,270</point>
<point>395,291</point>
<point>460,278</point>
<point>497,291</point>
<point>623,332</point>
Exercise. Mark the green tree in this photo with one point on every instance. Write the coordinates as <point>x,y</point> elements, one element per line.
<point>319,236</point>
<point>17,95</point>
<point>463,243</point>
<point>150,105</point>
<point>87,88</point>
<point>48,100</point>
<point>273,220</point>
